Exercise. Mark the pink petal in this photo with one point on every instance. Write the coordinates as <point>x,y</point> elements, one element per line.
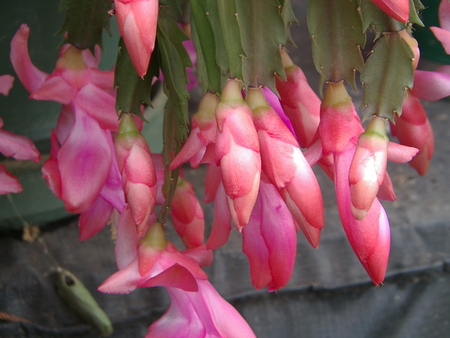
<point>93,220</point>
<point>17,146</point>
<point>84,163</point>
<point>6,83</point>
<point>221,224</point>
<point>31,77</point>
<point>397,9</point>
<point>444,14</point>
<point>55,88</point>
<point>443,36</point>
<point>8,182</point>
<point>432,86</point>
<point>100,105</point>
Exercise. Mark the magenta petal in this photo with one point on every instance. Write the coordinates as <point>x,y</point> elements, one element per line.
<point>176,276</point>
<point>221,225</point>
<point>444,14</point>
<point>31,77</point>
<point>55,88</point>
<point>100,105</point>
<point>8,183</point>
<point>84,163</point>
<point>431,86</point>
<point>123,281</point>
<point>94,219</point>
<point>126,239</point>
<point>443,36</point>
<point>17,146</point>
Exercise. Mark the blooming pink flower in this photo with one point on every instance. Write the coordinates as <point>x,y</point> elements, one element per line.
<point>299,101</point>
<point>199,314</point>
<point>413,129</point>
<point>155,262</point>
<point>368,167</point>
<point>397,9</point>
<point>287,169</point>
<point>137,21</point>
<point>270,240</point>
<point>137,169</point>
<point>237,152</point>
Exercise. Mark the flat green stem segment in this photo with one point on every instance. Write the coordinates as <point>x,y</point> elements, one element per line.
<point>84,22</point>
<point>387,74</point>
<point>337,35</point>
<point>205,41</point>
<point>132,91</point>
<point>251,43</point>
<point>231,31</point>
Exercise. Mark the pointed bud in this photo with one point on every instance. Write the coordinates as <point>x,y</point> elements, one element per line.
<point>368,167</point>
<point>137,170</point>
<point>299,101</point>
<point>237,153</point>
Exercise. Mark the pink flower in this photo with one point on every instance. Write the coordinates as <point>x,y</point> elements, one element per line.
<point>17,146</point>
<point>397,9</point>
<point>287,169</point>
<point>339,129</point>
<point>237,153</point>
<point>368,166</point>
<point>202,135</point>
<point>369,237</point>
<point>82,154</point>
<point>137,20</point>
<point>137,170</point>
<point>339,121</point>
<point>199,314</point>
<point>270,240</point>
<point>187,214</point>
<point>299,101</point>
<point>155,262</point>
<point>8,183</point>
<point>413,129</point>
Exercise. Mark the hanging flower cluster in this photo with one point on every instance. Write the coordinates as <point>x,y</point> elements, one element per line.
<point>259,129</point>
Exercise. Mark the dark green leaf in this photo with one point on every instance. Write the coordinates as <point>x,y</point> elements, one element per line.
<point>414,7</point>
<point>337,35</point>
<point>85,21</point>
<point>378,21</point>
<point>387,74</point>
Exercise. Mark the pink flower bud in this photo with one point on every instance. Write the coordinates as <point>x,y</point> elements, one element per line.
<point>299,101</point>
<point>237,153</point>
<point>203,133</point>
<point>137,21</point>
<point>287,169</point>
<point>187,214</point>
<point>413,129</point>
<point>339,122</point>
<point>270,240</point>
<point>137,170</point>
<point>368,166</point>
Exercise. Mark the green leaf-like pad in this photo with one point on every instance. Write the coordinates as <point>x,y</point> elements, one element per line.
<point>84,22</point>
<point>387,74</point>
<point>337,35</point>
